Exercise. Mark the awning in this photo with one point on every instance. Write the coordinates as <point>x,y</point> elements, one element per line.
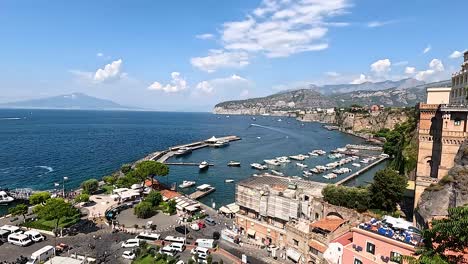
<point>251,232</point>
<point>293,254</point>
<point>225,210</point>
<point>234,208</point>
<point>192,208</point>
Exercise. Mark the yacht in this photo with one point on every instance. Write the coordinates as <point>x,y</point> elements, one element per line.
<point>234,163</point>
<point>229,180</point>
<point>297,157</point>
<point>315,170</point>
<point>221,143</point>
<point>272,162</point>
<point>277,173</point>
<point>5,198</point>
<point>203,165</point>
<point>330,176</point>
<point>186,184</point>
<point>301,165</point>
<point>183,151</point>
<point>283,159</point>
<point>307,174</point>
<point>258,166</point>
<point>357,165</point>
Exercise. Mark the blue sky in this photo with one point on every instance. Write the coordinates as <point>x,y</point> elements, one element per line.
<point>189,55</point>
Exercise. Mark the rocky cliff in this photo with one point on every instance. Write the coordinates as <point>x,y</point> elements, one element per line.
<point>451,191</point>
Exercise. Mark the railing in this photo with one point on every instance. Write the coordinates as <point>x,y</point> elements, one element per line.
<point>428,106</point>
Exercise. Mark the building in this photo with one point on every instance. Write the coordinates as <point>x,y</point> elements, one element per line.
<point>460,83</point>
<point>374,242</point>
<point>442,129</point>
<point>290,214</point>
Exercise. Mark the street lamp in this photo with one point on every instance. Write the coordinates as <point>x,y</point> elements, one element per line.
<point>65,178</point>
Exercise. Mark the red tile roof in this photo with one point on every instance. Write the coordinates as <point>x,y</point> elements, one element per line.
<point>170,194</point>
<point>320,247</point>
<point>328,224</point>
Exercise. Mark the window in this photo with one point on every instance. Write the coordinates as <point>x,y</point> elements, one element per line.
<point>357,261</point>
<point>370,248</point>
<point>457,122</point>
<point>313,250</point>
<point>395,257</point>
<point>296,243</point>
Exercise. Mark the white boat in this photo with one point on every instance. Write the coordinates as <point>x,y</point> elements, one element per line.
<point>283,159</point>
<point>307,174</point>
<point>234,163</point>
<point>313,154</point>
<point>229,180</point>
<point>319,152</point>
<point>356,165</point>
<point>315,170</point>
<point>221,143</point>
<point>186,184</point>
<point>183,151</point>
<point>258,166</point>
<point>279,120</point>
<point>272,162</point>
<point>301,165</point>
<point>5,198</point>
<point>203,165</point>
<point>330,176</point>
<point>277,173</point>
<point>297,157</point>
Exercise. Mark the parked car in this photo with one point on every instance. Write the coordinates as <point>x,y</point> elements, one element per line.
<point>195,226</point>
<point>61,247</point>
<point>168,250</point>
<point>34,236</point>
<point>210,221</point>
<point>179,247</point>
<point>132,242</point>
<point>182,229</point>
<point>201,224</point>
<point>128,255</point>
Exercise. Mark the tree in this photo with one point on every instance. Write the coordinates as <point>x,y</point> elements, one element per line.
<point>154,198</point>
<point>90,186</point>
<point>55,209</point>
<point>350,197</point>
<point>82,198</point>
<point>20,209</point>
<point>144,210</point>
<point>39,198</point>
<point>170,207</point>
<point>126,168</point>
<point>209,259</point>
<point>387,189</point>
<point>446,241</point>
<point>151,168</point>
<point>110,179</point>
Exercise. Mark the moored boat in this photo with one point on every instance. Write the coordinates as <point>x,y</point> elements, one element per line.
<point>187,184</point>
<point>221,143</point>
<point>203,165</point>
<point>183,151</point>
<point>277,173</point>
<point>5,198</point>
<point>229,180</point>
<point>301,165</point>
<point>272,162</point>
<point>234,163</point>
<point>258,166</point>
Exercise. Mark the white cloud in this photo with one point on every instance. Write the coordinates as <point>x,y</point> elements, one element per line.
<point>111,71</point>
<point>221,59</point>
<point>456,54</point>
<point>435,72</point>
<point>228,83</point>
<point>361,79</point>
<point>332,74</point>
<point>205,36</point>
<point>381,67</point>
<point>99,54</point>
<point>177,84</point>
<point>400,63</point>
<point>205,87</point>
<point>427,49</point>
<point>279,28</point>
<point>410,70</point>
<point>374,24</point>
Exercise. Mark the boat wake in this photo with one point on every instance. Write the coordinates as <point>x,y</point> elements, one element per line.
<point>282,131</point>
<point>27,170</point>
<point>10,118</point>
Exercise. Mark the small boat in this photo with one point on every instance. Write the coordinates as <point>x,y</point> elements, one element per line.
<point>5,198</point>
<point>272,162</point>
<point>279,120</point>
<point>297,157</point>
<point>277,173</point>
<point>307,174</point>
<point>301,165</point>
<point>234,163</point>
<point>221,143</point>
<point>315,170</point>
<point>203,165</point>
<point>229,180</point>
<point>258,166</point>
<point>186,184</point>
<point>183,151</point>
<point>283,159</point>
<point>330,176</point>
<point>356,165</point>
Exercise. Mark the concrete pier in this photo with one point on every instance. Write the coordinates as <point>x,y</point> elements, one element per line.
<point>361,171</point>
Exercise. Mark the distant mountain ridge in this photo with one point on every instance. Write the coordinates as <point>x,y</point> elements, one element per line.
<point>402,93</point>
<point>69,101</point>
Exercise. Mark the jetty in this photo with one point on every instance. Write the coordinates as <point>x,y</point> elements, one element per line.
<point>361,171</point>
<point>202,190</point>
<point>186,163</point>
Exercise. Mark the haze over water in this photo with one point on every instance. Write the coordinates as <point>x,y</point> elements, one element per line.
<point>39,147</point>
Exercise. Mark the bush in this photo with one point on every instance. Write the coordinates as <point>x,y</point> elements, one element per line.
<point>350,197</point>
<point>90,186</point>
<point>154,198</point>
<point>109,179</point>
<point>387,189</point>
<point>82,198</point>
<point>39,198</point>
<point>144,210</point>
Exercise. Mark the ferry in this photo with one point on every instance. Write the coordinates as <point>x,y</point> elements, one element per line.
<point>187,184</point>
<point>5,198</point>
<point>277,173</point>
<point>272,162</point>
<point>234,163</point>
<point>221,143</point>
<point>258,166</point>
<point>301,165</point>
<point>183,151</point>
<point>203,165</point>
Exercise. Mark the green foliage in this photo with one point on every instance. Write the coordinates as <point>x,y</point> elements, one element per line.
<point>90,186</point>
<point>20,209</point>
<point>150,168</point>
<point>107,188</point>
<point>154,198</point>
<point>169,207</point>
<point>209,259</point>
<point>39,198</point>
<point>110,179</point>
<point>126,168</point>
<point>127,180</point>
<point>387,189</point>
<point>446,235</point>
<point>350,197</point>
<point>191,261</point>
<point>82,198</point>
<point>54,210</point>
<point>144,210</point>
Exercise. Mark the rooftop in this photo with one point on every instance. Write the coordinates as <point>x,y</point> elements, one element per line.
<point>318,246</point>
<point>168,194</point>
<point>328,224</point>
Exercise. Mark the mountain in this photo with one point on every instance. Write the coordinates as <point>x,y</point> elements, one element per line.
<point>406,92</point>
<point>68,101</point>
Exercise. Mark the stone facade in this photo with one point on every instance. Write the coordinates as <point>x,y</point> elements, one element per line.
<point>460,83</point>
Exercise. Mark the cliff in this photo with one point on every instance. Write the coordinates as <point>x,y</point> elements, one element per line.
<point>451,191</point>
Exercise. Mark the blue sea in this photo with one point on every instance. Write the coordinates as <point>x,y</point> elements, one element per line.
<point>40,147</point>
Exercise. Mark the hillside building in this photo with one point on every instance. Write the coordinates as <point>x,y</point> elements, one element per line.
<point>460,83</point>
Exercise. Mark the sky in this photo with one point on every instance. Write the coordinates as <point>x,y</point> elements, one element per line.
<point>189,55</point>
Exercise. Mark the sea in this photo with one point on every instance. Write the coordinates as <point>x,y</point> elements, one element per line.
<point>40,147</point>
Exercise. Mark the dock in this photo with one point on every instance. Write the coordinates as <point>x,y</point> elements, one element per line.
<point>361,171</point>
<point>186,163</point>
<point>202,191</point>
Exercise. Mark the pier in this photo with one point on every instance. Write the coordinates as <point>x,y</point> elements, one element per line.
<point>202,190</point>
<point>186,163</point>
<point>361,171</point>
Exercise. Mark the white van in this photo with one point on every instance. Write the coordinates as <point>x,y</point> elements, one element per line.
<point>168,250</point>
<point>34,236</point>
<point>19,240</point>
<point>42,255</point>
<point>178,247</point>
<point>12,229</point>
<point>200,250</point>
<point>175,239</point>
<point>149,237</point>
<point>132,242</point>
<point>206,243</point>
